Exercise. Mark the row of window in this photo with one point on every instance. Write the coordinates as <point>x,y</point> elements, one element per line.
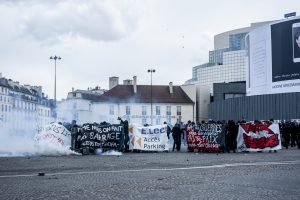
<point>8,108</point>
<point>5,108</point>
<point>144,110</point>
<point>4,99</point>
<point>4,90</point>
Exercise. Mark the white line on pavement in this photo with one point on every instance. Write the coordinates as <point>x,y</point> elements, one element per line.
<point>295,162</point>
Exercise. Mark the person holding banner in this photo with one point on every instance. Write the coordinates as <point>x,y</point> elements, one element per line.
<point>126,133</point>
<point>74,135</point>
<point>168,130</point>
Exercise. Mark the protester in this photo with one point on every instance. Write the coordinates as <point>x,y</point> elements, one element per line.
<point>176,133</point>
<point>126,133</point>
<point>270,122</point>
<point>75,144</point>
<point>294,132</point>
<point>286,134</point>
<point>168,130</point>
<point>230,136</point>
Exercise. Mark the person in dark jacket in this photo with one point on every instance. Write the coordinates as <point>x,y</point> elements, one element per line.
<point>286,134</point>
<point>294,132</point>
<point>230,137</point>
<point>176,133</point>
<point>168,130</point>
<point>126,133</point>
<point>74,136</point>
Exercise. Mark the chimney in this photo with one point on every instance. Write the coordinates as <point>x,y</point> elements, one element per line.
<point>127,82</point>
<point>113,81</point>
<point>72,89</point>
<point>171,87</point>
<point>134,85</point>
<point>0,75</point>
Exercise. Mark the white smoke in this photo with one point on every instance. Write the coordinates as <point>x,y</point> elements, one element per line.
<point>20,141</point>
<point>108,153</point>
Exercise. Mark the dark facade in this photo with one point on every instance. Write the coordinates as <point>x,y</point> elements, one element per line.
<point>224,91</point>
<point>285,106</point>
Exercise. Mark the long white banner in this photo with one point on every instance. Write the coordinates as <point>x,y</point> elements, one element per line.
<point>148,138</point>
<point>55,134</point>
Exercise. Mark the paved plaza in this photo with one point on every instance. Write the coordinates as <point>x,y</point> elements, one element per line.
<point>173,175</point>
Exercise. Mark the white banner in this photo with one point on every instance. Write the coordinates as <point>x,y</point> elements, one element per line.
<point>55,134</point>
<point>258,137</point>
<point>148,138</point>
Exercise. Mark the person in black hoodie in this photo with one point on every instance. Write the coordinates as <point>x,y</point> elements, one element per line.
<point>230,137</point>
<point>126,133</point>
<point>176,133</point>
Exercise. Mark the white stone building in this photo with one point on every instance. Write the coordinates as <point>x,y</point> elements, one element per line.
<point>78,105</point>
<point>23,107</point>
<point>133,102</point>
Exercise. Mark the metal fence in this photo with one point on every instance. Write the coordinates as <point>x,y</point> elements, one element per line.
<point>285,106</point>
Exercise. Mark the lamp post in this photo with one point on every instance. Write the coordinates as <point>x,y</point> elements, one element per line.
<point>55,58</point>
<point>151,71</point>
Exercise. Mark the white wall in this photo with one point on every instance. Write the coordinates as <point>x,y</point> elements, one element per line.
<point>203,100</point>
<point>101,112</point>
<point>191,91</point>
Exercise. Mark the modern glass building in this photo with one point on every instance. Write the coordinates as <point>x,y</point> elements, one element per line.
<point>226,61</point>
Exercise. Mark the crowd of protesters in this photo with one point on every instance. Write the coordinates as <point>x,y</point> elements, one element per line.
<point>289,131</point>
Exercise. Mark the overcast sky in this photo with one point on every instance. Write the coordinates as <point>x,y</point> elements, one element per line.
<point>98,39</point>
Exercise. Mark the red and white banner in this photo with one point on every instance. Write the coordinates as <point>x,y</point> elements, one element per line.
<point>258,137</point>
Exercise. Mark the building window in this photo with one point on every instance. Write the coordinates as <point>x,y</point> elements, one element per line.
<point>127,110</point>
<point>157,108</point>
<point>169,119</point>
<point>144,110</point>
<point>168,113</point>
<point>157,120</point>
<point>74,94</point>
<point>111,110</point>
<point>179,110</point>
<point>230,96</point>
<point>144,120</point>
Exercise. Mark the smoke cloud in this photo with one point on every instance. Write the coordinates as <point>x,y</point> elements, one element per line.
<point>18,137</point>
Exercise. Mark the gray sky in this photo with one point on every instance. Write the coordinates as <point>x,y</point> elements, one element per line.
<point>98,39</point>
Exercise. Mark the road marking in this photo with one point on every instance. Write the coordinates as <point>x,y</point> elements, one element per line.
<point>295,162</point>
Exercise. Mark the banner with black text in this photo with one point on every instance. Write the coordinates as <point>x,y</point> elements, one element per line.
<point>206,137</point>
<point>97,136</point>
<point>148,138</point>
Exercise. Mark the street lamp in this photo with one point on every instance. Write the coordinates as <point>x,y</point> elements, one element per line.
<point>151,71</point>
<point>55,58</point>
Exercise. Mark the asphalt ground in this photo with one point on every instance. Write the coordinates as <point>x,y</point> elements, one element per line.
<point>173,175</point>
